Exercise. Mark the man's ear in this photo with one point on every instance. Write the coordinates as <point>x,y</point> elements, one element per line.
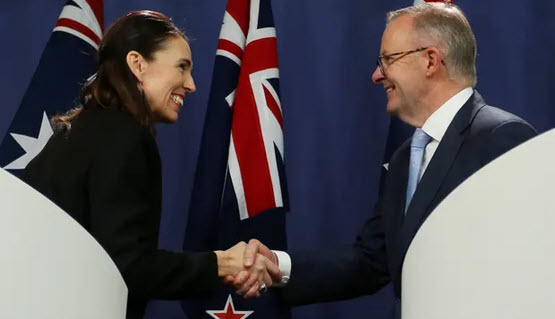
<point>137,64</point>
<point>434,60</point>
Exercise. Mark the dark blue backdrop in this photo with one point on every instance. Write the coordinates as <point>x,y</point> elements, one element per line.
<point>335,124</point>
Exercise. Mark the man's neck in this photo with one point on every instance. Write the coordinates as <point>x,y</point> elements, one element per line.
<point>435,97</point>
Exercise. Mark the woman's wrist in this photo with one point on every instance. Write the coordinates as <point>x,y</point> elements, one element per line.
<point>223,261</point>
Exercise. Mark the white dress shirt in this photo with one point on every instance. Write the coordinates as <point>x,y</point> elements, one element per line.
<point>435,126</point>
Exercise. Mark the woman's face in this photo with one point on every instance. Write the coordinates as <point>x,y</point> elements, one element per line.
<point>167,78</point>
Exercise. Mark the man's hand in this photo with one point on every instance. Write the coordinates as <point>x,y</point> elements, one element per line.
<point>255,255</point>
<point>246,269</point>
<point>256,247</point>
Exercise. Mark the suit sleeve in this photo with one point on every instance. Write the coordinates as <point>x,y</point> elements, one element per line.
<point>124,194</point>
<point>343,273</point>
<point>506,136</point>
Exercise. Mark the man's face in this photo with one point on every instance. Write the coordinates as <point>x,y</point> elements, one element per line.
<point>403,77</point>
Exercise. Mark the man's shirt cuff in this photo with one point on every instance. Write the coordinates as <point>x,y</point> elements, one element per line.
<point>284,263</point>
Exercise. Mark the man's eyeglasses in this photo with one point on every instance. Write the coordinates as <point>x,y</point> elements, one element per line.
<point>389,61</point>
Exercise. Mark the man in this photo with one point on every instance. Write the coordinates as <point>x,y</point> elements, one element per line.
<point>427,68</point>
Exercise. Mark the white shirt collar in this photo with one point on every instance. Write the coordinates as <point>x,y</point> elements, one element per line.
<point>436,125</point>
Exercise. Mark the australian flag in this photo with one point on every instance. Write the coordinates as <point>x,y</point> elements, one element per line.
<point>240,190</point>
<point>69,58</point>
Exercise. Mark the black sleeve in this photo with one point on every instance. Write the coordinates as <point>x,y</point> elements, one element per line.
<point>342,273</point>
<point>124,194</point>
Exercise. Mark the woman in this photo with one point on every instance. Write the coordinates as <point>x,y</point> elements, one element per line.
<point>102,165</point>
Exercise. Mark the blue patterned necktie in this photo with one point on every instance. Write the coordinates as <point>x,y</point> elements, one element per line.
<point>419,141</point>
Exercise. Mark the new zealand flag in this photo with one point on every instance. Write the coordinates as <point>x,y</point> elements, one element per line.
<point>240,190</point>
<point>69,58</point>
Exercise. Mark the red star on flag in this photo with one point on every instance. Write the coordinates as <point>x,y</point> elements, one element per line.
<point>229,312</point>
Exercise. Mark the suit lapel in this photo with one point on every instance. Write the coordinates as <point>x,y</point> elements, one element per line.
<point>436,172</point>
<point>396,202</point>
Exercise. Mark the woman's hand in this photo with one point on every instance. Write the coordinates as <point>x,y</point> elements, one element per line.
<point>247,279</point>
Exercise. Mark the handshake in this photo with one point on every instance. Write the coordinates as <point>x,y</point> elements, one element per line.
<point>249,268</point>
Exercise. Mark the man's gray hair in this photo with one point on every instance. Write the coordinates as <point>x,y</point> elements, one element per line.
<point>445,26</point>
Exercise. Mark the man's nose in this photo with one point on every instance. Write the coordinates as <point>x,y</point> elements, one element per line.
<point>377,76</point>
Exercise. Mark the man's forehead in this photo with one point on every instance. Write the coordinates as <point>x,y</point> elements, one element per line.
<point>396,34</point>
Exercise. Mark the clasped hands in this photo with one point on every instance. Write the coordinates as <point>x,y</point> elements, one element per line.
<point>248,267</point>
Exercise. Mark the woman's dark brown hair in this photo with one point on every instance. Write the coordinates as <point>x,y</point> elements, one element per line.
<point>114,86</point>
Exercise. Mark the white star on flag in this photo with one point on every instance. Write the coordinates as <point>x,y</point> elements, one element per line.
<point>229,311</point>
<point>32,146</point>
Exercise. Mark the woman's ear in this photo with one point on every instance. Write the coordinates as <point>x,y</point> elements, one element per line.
<point>137,64</point>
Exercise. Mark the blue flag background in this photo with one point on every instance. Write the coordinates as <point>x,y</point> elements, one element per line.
<point>336,128</point>
<point>69,58</point>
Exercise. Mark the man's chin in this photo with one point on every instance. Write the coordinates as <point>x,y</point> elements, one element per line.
<point>391,109</point>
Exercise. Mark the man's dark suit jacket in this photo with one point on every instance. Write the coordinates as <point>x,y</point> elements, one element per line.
<point>478,134</point>
<point>106,174</point>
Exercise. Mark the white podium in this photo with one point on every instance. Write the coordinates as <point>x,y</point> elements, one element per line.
<point>50,267</point>
<point>488,250</point>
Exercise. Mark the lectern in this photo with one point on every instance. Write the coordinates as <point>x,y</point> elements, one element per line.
<point>50,267</point>
<point>488,250</point>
